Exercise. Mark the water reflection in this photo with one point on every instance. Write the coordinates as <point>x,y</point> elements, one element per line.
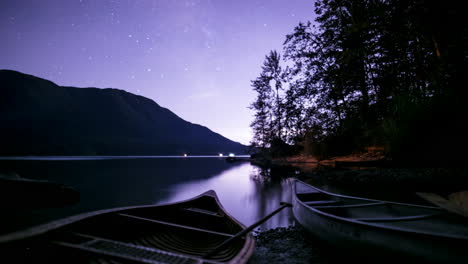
<point>246,192</point>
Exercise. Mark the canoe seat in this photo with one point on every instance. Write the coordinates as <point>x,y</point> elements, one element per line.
<point>312,203</point>
<point>396,218</point>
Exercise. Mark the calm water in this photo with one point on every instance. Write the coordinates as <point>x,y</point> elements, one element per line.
<point>106,182</point>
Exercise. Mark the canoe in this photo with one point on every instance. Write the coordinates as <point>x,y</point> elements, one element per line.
<point>183,232</point>
<point>381,227</point>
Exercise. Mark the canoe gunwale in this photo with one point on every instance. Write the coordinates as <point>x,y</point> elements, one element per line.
<point>371,224</point>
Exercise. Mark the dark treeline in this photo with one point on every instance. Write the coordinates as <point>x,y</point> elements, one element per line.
<point>368,73</point>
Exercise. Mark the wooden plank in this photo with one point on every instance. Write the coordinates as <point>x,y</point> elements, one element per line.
<point>443,203</point>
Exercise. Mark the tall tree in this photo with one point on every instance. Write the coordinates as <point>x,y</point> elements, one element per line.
<point>262,125</point>
<point>271,69</point>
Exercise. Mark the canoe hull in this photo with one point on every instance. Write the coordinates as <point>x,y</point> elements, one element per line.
<point>378,240</point>
<point>182,232</point>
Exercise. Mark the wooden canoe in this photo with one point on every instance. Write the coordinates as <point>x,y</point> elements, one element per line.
<point>182,232</point>
<point>381,227</point>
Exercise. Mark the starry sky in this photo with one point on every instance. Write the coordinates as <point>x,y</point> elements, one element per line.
<point>195,57</point>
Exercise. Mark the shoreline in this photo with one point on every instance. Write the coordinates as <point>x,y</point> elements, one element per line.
<point>371,170</point>
<point>293,245</point>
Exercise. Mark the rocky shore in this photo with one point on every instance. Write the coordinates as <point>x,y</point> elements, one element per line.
<point>285,245</point>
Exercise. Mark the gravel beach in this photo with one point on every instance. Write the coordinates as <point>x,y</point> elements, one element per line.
<point>285,245</point>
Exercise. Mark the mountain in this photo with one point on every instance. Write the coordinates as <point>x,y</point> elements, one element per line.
<point>38,117</point>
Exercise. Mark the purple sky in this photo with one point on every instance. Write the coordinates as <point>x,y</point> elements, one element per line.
<point>196,58</point>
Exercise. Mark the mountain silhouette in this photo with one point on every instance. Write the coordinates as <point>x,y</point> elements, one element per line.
<point>38,117</point>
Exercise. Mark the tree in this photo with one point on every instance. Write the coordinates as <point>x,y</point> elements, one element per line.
<point>268,106</point>
<point>271,69</point>
<point>262,123</point>
<point>371,72</point>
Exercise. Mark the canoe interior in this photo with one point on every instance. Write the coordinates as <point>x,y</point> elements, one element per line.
<point>385,214</point>
<point>191,229</point>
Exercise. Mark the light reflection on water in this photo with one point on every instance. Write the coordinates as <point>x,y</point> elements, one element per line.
<point>243,194</point>
<point>106,182</point>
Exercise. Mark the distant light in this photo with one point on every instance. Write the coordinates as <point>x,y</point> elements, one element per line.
<point>220,154</point>
<point>185,155</point>
<point>231,155</point>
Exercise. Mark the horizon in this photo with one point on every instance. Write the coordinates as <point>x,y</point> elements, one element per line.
<point>195,58</point>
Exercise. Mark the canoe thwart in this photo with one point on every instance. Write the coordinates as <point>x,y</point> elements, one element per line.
<point>175,225</point>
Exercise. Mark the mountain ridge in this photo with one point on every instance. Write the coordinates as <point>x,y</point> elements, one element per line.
<point>39,117</point>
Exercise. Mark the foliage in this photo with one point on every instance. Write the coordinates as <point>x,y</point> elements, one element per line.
<point>368,72</point>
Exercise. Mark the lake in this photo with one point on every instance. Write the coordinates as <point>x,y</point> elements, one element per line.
<point>107,182</point>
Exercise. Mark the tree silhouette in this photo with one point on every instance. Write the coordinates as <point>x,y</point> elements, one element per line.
<point>268,105</point>
<point>371,72</point>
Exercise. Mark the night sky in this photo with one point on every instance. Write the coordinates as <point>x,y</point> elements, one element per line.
<point>196,58</point>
